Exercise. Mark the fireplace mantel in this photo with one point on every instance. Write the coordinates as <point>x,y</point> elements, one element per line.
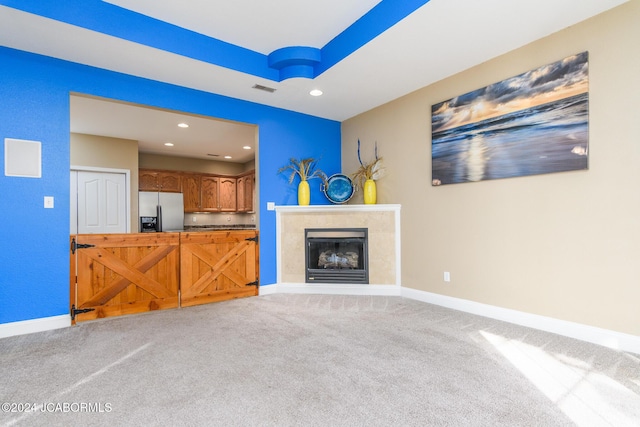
<point>383,224</point>
<point>339,208</point>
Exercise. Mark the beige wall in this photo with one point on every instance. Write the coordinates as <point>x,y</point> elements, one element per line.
<point>155,161</point>
<point>564,245</point>
<point>113,153</point>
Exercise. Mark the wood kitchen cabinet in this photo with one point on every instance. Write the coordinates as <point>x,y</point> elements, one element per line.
<point>240,184</point>
<point>227,194</point>
<point>191,192</point>
<point>157,180</point>
<point>201,193</point>
<point>210,193</point>
<point>245,189</point>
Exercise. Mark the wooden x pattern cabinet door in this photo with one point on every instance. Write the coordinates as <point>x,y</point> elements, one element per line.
<point>218,266</point>
<point>124,273</point>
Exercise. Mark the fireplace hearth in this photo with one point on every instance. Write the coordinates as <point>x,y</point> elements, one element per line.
<point>336,255</point>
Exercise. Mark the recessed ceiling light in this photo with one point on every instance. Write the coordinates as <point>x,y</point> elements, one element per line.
<point>246,147</point>
<point>169,144</point>
<point>183,125</point>
<point>227,157</point>
<point>315,92</point>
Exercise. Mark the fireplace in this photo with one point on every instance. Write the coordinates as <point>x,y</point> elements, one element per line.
<point>336,255</point>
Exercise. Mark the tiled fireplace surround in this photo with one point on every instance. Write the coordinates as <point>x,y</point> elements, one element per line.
<point>383,224</point>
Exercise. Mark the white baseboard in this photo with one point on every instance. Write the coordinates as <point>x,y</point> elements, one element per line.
<point>330,289</point>
<point>35,325</point>
<point>592,334</point>
<point>268,289</point>
<point>604,337</point>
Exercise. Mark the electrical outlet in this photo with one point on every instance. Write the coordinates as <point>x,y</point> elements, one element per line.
<point>194,218</point>
<point>228,218</point>
<point>48,202</point>
<point>447,276</point>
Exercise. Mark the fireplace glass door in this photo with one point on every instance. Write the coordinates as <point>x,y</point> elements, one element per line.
<point>336,255</point>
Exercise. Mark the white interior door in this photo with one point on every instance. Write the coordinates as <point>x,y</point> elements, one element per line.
<point>101,202</point>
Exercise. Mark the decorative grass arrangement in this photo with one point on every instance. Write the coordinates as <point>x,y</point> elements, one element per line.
<point>372,170</point>
<point>306,169</point>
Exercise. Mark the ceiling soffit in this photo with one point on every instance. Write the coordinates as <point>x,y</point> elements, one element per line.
<point>283,63</point>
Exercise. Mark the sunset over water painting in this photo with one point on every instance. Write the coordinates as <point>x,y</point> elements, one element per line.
<point>533,123</point>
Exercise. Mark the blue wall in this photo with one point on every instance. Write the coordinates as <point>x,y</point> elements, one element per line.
<point>34,105</point>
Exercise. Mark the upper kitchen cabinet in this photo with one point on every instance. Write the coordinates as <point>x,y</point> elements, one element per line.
<point>210,193</point>
<point>191,192</point>
<point>203,193</point>
<point>228,191</point>
<point>245,186</point>
<point>156,180</point>
<point>200,193</point>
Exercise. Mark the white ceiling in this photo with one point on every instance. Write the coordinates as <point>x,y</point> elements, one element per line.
<point>439,39</point>
<point>263,26</point>
<point>152,128</point>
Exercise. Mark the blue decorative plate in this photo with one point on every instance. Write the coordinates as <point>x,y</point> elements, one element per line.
<point>339,188</point>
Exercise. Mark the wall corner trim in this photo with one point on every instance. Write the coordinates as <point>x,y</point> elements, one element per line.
<point>604,337</point>
<point>34,325</point>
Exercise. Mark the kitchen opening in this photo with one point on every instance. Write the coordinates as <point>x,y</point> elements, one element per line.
<point>158,200</point>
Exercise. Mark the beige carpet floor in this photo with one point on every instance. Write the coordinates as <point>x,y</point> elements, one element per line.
<point>313,360</point>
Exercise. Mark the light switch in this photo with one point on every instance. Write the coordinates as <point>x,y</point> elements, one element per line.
<point>48,202</point>
<point>271,206</point>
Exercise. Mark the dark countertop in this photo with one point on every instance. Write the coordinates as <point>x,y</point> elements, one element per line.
<point>220,227</point>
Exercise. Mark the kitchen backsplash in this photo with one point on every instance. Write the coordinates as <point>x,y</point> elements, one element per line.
<point>231,219</point>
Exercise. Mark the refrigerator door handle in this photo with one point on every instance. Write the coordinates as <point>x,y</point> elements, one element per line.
<point>159,215</point>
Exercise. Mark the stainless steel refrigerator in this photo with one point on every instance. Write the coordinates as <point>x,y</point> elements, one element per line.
<point>160,211</point>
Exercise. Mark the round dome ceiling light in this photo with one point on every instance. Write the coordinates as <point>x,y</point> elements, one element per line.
<point>315,92</point>
<point>183,125</point>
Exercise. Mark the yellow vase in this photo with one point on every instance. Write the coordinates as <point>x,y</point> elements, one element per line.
<point>369,190</point>
<point>304,194</point>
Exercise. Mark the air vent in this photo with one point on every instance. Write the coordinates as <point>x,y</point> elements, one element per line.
<point>264,88</point>
<point>214,155</point>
